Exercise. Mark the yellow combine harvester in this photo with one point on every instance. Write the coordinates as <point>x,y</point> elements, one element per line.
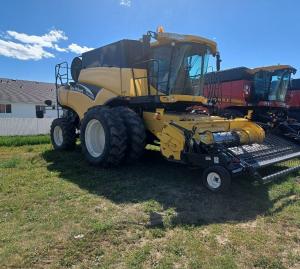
<point>134,92</point>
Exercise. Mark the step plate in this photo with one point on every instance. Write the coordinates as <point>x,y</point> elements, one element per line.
<point>275,149</point>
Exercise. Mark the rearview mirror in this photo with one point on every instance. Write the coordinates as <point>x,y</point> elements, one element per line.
<point>218,61</point>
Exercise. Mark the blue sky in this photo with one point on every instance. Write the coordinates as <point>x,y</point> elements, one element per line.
<point>35,34</point>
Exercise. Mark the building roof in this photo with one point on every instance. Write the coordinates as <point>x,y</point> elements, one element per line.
<point>24,91</point>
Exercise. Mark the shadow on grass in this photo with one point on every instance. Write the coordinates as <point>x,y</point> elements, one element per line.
<point>172,185</point>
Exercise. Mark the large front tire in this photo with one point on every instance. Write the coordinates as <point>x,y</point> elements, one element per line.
<point>63,134</point>
<point>103,137</point>
<point>136,133</point>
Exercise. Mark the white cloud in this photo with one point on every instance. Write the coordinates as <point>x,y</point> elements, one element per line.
<point>125,3</point>
<point>33,47</point>
<point>58,48</point>
<point>23,51</point>
<point>47,40</point>
<point>78,49</point>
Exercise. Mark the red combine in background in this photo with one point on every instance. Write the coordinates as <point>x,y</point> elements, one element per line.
<point>262,91</point>
<point>293,99</point>
<point>258,93</point>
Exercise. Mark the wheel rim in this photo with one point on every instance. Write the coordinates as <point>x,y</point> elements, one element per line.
<point>58,135</point>
<point>94,138</point>
<point>213,180</point>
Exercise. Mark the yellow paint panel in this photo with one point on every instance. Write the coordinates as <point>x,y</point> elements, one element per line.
<point>172,139</point>
<point>167,38</point>
<point>118,80</point>
<point>80,103</point>
<point>172,142</point>
<point>141,86</point>
<point>204,123</point>
<point>102,77</point>
<point>185,98</point>
<point>271,68</point>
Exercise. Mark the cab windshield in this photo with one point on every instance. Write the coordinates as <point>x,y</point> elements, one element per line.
<point>179,69</point>
<point>271,86</point>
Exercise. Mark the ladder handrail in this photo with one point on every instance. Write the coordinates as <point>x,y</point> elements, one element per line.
<point>60,79</point>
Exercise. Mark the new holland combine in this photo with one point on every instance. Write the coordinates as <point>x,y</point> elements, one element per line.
<point>133,92</point>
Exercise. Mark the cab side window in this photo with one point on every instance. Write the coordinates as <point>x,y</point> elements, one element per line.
<point>159,69</point>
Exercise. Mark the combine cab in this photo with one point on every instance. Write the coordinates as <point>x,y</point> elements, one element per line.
<point>262,90</point>
<point>133,91</point>
<point>293,99</point>
<point>259,94</point>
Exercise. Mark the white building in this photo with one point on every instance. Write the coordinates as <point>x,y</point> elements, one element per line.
<point>26,99</point>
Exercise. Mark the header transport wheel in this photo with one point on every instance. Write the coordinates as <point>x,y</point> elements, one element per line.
<point>103,137</point>
<point>63,135</point>
<point>216,179</point>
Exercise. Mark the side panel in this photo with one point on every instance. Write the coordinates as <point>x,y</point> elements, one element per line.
<point>170,130</point>
<point>237,93</point>
<point>230,93</point>
<point>134,82</point>
<point>117,80</point>
<point>103,77</point>
<point>251,132</point>
<point>80,103</point>
<point>294,100</point>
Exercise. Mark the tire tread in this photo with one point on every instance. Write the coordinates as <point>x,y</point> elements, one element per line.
<point>117,136</point>
<point>69,134</point>
<point>135,131</point>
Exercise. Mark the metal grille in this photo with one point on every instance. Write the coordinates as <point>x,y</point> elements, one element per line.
<point>274,149</point>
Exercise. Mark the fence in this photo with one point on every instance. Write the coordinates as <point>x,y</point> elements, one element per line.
<point>24,126</point>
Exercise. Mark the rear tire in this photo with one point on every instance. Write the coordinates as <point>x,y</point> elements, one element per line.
<point>63,134</point>
<point>217,179</point>
<point>103,137</point>
<point>135,132</point>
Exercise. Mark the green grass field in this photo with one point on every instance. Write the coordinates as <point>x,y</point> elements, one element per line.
<point>56,211</point>
<point>14,141</point>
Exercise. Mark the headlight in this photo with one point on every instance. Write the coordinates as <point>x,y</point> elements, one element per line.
<point>247,90</point>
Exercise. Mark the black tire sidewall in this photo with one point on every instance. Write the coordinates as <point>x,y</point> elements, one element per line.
<point>53,125</point>
<point>131,122</point>
<point>67,129</point>
<point>100,117</point>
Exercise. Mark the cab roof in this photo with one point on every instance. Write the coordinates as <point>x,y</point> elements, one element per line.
<point>166,38</point>
<point>273,68</point>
